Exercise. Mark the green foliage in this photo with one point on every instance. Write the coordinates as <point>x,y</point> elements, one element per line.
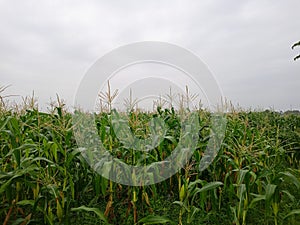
<point>151,219</point>
<point>254,179</point>
<point>94,210</point>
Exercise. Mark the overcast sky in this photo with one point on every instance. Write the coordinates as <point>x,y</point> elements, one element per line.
<point>48,46</point>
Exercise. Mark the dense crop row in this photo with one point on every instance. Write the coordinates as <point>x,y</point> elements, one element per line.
<point>255,179</point>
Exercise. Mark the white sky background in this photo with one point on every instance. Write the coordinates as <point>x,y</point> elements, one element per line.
<point>48,46</point>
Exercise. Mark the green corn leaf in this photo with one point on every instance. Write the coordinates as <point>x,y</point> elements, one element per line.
<point>181,204</point>
<point>291,178</point>
<point>17,174</point>
<point>270,191</point>
<point>293,212</point>
<point>210,186</point>
<point>291,197</point>
<point>194,211</point>
<point>206,187</point>
<point>152,219</point>
<point>256,199</point>
<point>94,210</point>
<point>4,124</point>
<point>7,183</point>
<point>26,202</point>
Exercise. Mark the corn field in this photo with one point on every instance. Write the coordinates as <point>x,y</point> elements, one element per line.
<point>255,178</point>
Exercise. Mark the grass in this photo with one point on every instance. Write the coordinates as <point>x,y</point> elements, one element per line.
<point>255,178</point>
